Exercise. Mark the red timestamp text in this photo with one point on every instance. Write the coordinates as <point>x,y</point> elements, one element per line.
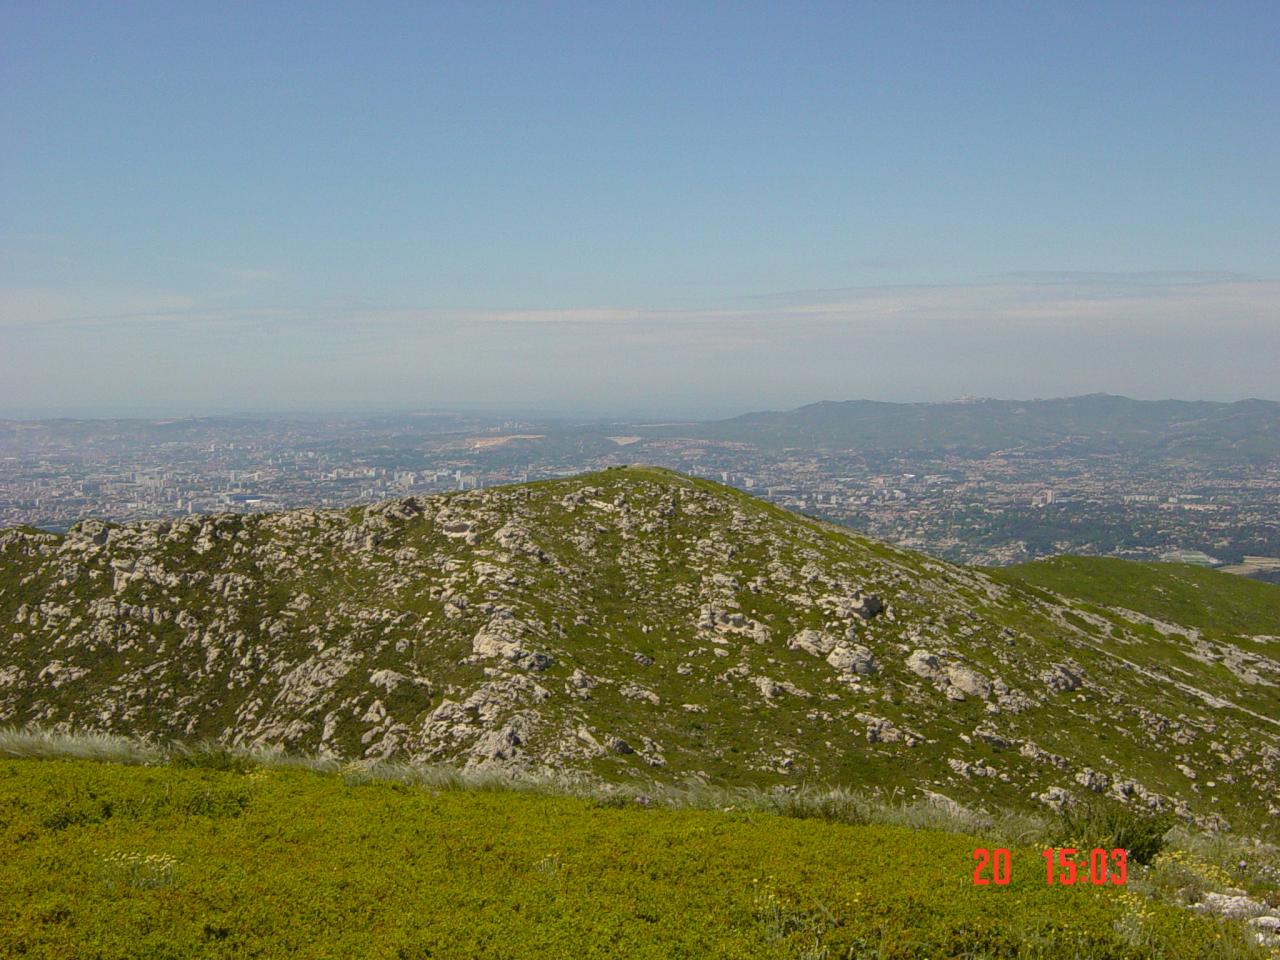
<point>1063,866</point>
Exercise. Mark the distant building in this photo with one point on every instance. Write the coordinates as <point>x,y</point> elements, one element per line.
<point>1195,557</point>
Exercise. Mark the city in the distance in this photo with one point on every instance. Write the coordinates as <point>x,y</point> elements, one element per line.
<point>975,481</point>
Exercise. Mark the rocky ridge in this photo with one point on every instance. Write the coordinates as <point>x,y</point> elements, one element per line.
<point>631,622</point>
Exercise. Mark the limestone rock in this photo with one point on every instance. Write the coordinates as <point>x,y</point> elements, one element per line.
<point>813,642</point>
<point>853,658</point>
<point>1063,677</point>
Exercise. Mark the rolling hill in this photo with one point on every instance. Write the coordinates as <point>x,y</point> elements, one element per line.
<point>1215,603</point>
<point>629,624</point>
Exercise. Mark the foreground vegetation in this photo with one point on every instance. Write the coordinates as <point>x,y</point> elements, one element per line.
<point>209,853</point>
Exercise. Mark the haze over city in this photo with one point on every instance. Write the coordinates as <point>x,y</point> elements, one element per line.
<point>618,209</point>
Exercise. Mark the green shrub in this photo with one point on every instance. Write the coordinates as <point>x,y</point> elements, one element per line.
<point>213,803</point>
<point>77,812</point>
<point>1107,824</point>
<point>833,806</point>
<point>213,757</point>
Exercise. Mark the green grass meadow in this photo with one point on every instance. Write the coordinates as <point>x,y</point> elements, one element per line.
<point>103,861</point>
<point>1210,600</point>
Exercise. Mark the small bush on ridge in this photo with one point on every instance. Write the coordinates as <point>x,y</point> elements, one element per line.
<point>1109,825</point>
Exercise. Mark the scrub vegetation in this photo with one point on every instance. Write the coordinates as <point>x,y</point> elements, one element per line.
<point>175,859</point>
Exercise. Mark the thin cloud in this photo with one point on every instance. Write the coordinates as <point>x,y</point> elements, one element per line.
<point>1126,303</point>
<point>249,274</point>
<point>1143,278</point>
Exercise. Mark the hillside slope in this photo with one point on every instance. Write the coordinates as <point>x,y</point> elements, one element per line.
<point>1213,602</point>
<point>631,623</point>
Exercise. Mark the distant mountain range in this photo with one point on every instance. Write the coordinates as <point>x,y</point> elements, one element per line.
<point>1246,429</point>
<point>1200,429</point>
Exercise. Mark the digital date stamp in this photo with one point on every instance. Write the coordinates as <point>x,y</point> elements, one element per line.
<point>1063,866</point>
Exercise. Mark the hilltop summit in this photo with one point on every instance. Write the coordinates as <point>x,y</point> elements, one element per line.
<point>633,622</point>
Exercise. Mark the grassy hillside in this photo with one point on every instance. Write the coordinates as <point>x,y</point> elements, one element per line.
<point>632,623</point>
<point>1214,602</point>
<point>109,861</point>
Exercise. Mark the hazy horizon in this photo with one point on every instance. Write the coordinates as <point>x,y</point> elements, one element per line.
<point>516,410</point>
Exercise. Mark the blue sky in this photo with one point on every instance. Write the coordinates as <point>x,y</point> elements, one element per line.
<point>650,207</point>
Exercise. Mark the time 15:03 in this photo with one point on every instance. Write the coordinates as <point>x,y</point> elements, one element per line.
<point>1104,866</point>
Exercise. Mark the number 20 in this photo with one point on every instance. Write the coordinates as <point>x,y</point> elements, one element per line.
<point>999,862</point>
